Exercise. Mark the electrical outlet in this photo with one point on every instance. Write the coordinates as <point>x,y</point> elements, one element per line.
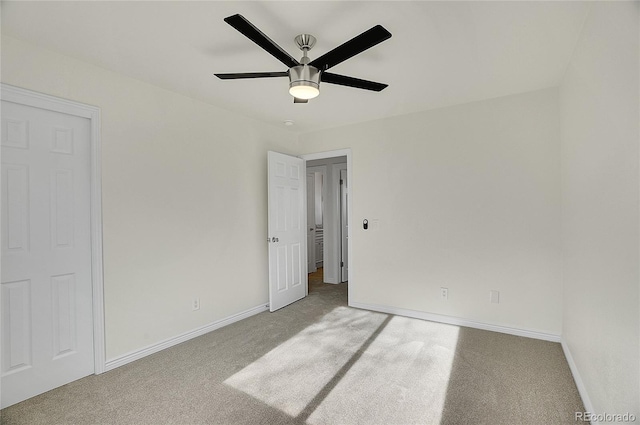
<point>195,305</point>
<point>444,293</point>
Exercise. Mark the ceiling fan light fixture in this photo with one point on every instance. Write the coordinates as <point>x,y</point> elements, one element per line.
<point>304,82</point>
<point>303,90</point>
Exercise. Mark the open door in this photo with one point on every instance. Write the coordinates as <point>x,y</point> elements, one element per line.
<point>287,230</point>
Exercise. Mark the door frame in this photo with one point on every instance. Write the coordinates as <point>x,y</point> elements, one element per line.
<point>344,239</point>
<point>331,154</point>
<point>26,97</point>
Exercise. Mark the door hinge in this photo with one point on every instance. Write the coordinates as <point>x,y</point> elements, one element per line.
<point>341,263</point>
<point>341,181</point>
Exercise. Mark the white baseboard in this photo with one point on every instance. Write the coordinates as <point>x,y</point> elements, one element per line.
<point>582,390</point>
<point>143,352</point>
<point>451,320</point>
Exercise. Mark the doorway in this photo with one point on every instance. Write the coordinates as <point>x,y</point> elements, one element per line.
<point>316,195</point>
<point>327,226</point>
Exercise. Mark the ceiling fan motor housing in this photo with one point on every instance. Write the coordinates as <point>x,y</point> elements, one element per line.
<point>304,76</point>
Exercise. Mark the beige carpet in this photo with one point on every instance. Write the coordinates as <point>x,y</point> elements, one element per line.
<point>321,362</point>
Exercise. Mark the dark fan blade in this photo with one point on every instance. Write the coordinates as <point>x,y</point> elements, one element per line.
<point>327,77</point>
<point>254,34</point>
<point>235,76</point>
<point>351,48</point>
<point>296,100</point>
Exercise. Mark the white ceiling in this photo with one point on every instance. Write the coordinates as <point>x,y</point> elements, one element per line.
<point>440,54</point>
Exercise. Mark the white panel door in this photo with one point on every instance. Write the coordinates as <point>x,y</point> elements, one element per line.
<point>47,324</point>
<point>287,230</point>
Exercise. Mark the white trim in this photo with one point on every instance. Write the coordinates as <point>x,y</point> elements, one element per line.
<point>326,154</point>
<point>97,271</point>
<point>337,168</point>
<point>170,342</point>
<point>38,100</point>
<point>44,101</point>
<point>332,154</point>
<point>582,389</point>
<point>451,320</point>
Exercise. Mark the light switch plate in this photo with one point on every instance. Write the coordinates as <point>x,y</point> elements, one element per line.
<point>494,296</point>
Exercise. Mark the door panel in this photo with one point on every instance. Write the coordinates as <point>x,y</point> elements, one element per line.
<point>287,234</point>
<point>47,320</point>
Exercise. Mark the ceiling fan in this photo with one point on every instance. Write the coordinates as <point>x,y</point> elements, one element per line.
<point>305,76</point>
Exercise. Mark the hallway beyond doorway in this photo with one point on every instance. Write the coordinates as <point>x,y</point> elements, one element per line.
<point>316,280</point>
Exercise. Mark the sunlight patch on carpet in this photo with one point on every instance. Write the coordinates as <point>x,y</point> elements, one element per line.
<point>291,375</point>
<point>401,378</point>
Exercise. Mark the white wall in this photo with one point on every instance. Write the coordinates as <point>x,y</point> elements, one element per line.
<point>467,197</point>
<point>600,193</point>
<point>184,198</point>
